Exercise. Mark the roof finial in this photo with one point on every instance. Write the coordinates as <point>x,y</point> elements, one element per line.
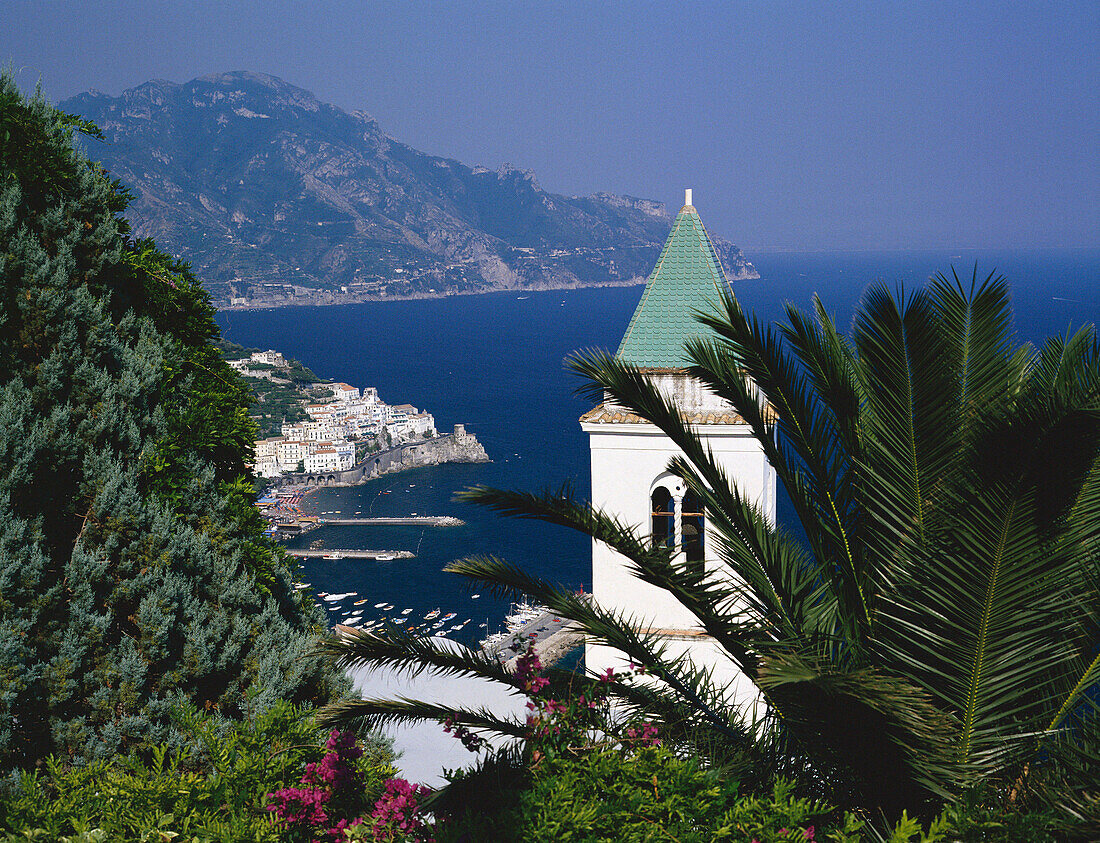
<point>687,197</point>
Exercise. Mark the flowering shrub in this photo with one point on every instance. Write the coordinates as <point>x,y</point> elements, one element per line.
<point>330,793</point>
<point>584,777</point>
<point>396,815</point>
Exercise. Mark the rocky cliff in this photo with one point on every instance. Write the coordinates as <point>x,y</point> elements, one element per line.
<point>278,198</point>
<point>459,446</point>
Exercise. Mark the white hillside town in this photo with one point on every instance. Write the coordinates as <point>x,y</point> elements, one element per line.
<point>326,440</point>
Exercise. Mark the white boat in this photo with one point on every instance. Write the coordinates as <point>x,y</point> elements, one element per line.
<point>399,620</point>
<point>496,639</point>
<point>360,602</point>
<point>456,627</point>
<point>523,613</point>
<point>385,557</point>
<point>333,556</point>
<point>379,605</point>
<point>474,596</point>
<point>437,624</point>
<point>450,615</point>
<point>434,613</point>
<point>405,611</point>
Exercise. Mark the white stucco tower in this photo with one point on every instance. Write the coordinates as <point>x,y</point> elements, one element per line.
<point>630,456</point>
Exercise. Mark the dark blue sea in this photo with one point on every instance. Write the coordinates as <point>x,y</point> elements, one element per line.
<point>494,363</point>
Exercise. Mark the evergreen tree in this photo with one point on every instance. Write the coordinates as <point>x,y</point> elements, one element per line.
<point>133,570</point>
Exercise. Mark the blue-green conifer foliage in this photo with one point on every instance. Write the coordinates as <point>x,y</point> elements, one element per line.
<point>133,569</point>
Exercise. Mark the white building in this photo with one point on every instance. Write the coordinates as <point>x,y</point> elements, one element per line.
<point>267,467</point>
<point>630,456</point>
<point>322,459</point>
<point>269,357</point>
<point>267,447</point>
<point>421,424</point>
<point>290,452</point>
<point>344,392</point>
<point>345,455</point>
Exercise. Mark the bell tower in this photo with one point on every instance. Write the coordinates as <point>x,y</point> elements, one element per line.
<point>630,456</point>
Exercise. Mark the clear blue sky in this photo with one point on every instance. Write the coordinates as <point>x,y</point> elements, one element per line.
<point>799,125</point>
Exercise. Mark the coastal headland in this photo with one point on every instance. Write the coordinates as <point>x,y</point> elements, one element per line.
<point>459,446</point>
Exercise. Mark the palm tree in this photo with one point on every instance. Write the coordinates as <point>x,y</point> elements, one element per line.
<point>936,622</point>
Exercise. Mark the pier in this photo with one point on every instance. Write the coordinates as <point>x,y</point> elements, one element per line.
<point>414,520</point>
<point>306,523</point>
<point>337,553</point>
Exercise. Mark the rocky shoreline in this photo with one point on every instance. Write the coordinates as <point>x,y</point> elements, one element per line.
<point>459,446</point>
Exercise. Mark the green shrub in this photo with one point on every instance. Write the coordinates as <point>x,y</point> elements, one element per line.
<point>579,776</point>
<point>217,788</point>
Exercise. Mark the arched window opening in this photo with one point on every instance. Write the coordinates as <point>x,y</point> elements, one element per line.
<point>692,528</point>
<point>664,518</point>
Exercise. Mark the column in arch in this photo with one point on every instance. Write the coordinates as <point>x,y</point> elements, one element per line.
<point>630,456</point>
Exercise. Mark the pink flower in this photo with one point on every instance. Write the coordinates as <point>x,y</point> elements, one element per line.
<point>397,810</point>
<point>808,834</point>
<point>300,806</point>
<point>555,707</point>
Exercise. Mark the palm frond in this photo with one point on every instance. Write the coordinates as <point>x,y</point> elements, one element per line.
<point>408,654</point>
<point>802,444</point>
<point>367,714</point>
<point>626,634</point>
<point>651,564</point>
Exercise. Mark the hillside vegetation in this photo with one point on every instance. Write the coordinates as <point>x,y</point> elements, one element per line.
<point>279,198</point>
<point>134,577</point>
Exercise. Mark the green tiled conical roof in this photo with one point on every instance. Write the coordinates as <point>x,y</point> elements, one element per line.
<point>688,277</point>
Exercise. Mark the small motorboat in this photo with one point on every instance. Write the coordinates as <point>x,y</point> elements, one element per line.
<point>434,613</point>
<point>450,615</point>
<point>405,611</point>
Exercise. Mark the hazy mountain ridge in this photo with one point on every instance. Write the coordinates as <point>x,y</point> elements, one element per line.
<point>271,193</point>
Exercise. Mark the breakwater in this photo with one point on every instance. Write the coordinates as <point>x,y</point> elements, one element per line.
<point>407,520</point>
<point>341,553</point>
<point>458,446</point>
